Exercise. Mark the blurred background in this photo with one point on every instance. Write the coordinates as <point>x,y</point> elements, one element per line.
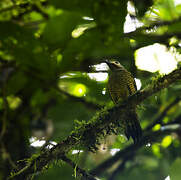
<point>52,77</point>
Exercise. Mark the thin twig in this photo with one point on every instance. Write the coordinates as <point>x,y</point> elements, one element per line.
<point>160,117</point>
<point>88,104</point>
<point>8,8</point>
<point>7,155</point>
<point>153,25</point>
<point>85,175</point>
<point>120,167</point>
<point>5,105</point>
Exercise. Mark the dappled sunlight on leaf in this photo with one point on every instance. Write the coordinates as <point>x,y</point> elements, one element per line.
<point>79,90</point>
<point>167,140</point>
<point>156,127</point>
<point>14,102</point>
<point>156,150</point>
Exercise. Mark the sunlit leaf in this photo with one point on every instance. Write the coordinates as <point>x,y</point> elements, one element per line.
<point>156,150</point>
<point>156,127</point>
<point>167,140</point>
<point>79,90</point>
<point>14,102</point>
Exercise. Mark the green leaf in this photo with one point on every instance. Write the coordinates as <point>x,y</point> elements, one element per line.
<point>167,140</point>
<point>93,88</point>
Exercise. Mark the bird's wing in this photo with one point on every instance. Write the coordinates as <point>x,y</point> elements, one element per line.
<point>131,84</point>
<point>113,94</point>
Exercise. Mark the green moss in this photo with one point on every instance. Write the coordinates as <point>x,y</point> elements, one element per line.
<point>90,134</point>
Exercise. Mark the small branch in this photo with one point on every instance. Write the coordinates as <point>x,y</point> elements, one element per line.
<point>159,118</point>
<point>85,175</point>
<point>163,23</point>
<point>120,167</point>
<point>8,8</point>
<point>38,8</point>
<point>4,117</point>
<point>176,120</point>
<point>32,24</point>
<point>5,104</point>
<point>103,122</point>
<point>81,100</point>
<point>7,155</point>
<point>139,33</point>
<point>156,24</point>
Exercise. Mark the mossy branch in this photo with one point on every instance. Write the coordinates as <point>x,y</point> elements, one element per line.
<point>88,134</point>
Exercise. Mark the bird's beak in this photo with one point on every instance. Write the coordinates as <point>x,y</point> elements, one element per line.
<point>106,61</point>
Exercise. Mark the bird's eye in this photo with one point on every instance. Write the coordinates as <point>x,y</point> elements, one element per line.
<point>116,62</point>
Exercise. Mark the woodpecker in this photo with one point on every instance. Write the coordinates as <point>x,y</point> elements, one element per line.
<point>121,84</point>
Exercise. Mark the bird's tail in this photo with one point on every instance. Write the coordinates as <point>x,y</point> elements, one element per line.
<point>133,127</point>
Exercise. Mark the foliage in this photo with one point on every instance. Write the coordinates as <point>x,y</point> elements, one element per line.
<point>47,51</point>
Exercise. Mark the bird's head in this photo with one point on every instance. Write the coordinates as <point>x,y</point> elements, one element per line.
<point>114,65</point>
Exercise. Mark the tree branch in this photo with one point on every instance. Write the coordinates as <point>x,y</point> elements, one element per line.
<point>87,135</point>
